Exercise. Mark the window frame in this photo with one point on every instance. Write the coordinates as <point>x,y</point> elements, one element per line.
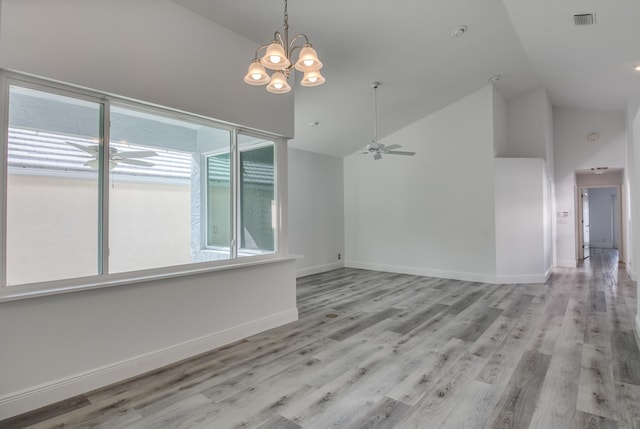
<point>235,192</point>
<point>204,206</point>
<point>238,179</point>
<point>104,278</point>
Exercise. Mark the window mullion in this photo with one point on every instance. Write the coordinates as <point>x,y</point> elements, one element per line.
<point>281,196</point>
<point>103,178</point>
<point>234,175</point>
<point>4,143</point>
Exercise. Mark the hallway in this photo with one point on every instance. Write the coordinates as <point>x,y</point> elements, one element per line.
<point>383,350</point>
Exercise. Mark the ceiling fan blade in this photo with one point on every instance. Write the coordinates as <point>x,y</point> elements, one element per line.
<point>399,152</point>
<point>93,163</point>
<point>136,162</point>
<point>135,154</point>
<point>392,147</point>
<point>377,156</point>
<point>93,149</point>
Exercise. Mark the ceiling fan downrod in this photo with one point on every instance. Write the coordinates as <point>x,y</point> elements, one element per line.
<point>375,111</point>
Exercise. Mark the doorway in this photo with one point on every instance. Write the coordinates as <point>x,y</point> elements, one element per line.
<point>599,219</point>
<point>584,245</point>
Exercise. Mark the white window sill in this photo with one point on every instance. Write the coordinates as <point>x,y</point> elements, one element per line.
<point>19,292</point>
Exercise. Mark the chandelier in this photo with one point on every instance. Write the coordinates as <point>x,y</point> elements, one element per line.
<point>278,57</point>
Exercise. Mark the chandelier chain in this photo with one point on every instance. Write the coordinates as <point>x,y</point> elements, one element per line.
<point>286,15</point>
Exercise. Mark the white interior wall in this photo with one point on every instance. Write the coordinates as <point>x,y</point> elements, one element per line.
<point>548,202</point>
<point>632,202</point>
<point>548,127</point>
<point>316,211</point>
<point>612,179</point>
<point>530,134</point>
<point>634,111</point>
<point>520,224</point>
<point>616,213</point>
<point>161,53</point>
<point>431,214</point>
<point>58,346</point>
<point>500,125</point>
<point>550,256</point>
<point>574,152</point>
<point>528,125</point>
<point>523,189</point>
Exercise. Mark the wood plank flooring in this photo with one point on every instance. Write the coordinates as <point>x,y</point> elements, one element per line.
<point>383,350</point>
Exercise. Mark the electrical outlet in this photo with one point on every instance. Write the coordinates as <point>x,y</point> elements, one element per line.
<point>339,256</point>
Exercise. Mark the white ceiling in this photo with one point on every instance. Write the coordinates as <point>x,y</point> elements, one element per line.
<point>408,46</point>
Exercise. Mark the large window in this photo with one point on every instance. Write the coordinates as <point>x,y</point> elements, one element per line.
<point>98,186</point>
<point>154,198</point>
<point>52,191</point>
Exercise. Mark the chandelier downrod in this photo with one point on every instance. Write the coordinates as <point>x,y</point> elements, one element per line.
<point>285,29</point>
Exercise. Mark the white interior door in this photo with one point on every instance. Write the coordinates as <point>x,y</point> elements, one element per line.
<point>585,225</point>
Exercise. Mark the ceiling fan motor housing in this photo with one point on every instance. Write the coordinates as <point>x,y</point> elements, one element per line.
<point>375,146</point>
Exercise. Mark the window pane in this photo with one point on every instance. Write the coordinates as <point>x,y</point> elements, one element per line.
<point>218,201</point>
<point>52,187</point>
<point>257,196</point>
<point>154,198</point>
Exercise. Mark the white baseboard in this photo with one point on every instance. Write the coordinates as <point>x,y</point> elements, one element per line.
<point>319,269</point>
<point>38,396</point>
<point>567,263</point>
<point>454,275</point>
<point>420,271</point>
<point>522,278</point>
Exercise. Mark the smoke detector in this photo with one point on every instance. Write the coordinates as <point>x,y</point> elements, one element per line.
<point>459,32</point>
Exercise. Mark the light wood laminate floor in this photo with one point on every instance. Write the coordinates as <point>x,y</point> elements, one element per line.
<point>381,350</point>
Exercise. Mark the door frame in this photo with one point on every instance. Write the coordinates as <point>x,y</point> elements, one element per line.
<point>580,221</point>
<point>621,236</point>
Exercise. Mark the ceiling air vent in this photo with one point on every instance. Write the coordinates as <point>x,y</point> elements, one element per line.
<point>584,19</point>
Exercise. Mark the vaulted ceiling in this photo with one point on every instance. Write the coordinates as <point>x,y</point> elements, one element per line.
<point>409,47</point>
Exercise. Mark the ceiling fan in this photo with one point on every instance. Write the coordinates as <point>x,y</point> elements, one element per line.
<point>375,148</point>
<point>115,156</point>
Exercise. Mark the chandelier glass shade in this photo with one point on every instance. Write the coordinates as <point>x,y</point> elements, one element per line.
<point>257,75</point>
<point>312,78</point>
<point>278,84</point>
<point>278,58</point>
